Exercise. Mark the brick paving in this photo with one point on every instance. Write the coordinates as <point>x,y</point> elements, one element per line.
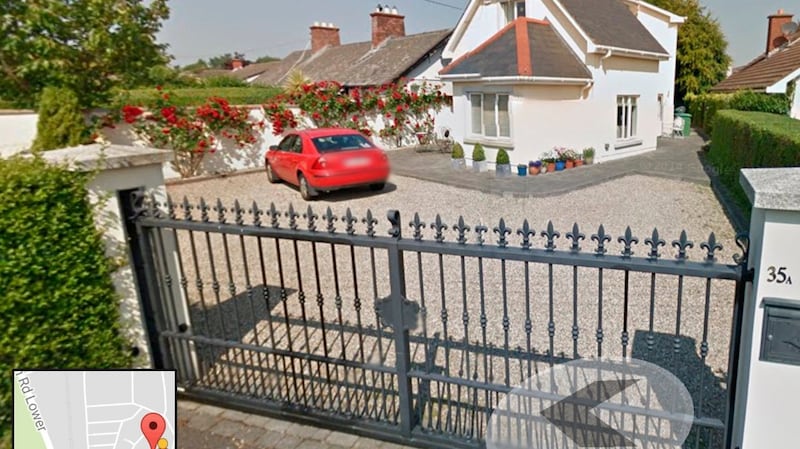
<point>202,426</point>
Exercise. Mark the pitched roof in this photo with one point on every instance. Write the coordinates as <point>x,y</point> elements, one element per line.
<point>208,73</point>
<point>358,64</point>
<point>765,70</point>
<point>252,70</point>
<point>610,23</point>
<point>525,47</point>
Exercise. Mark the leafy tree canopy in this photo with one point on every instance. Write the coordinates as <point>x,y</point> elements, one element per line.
<point>702,48</point>
<point>267,58</point>
<point>84,45</point>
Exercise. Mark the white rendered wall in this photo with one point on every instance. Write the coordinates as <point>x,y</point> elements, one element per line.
<point>17,131</point>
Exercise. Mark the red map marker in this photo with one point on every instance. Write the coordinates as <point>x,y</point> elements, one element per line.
<point>153,426</point>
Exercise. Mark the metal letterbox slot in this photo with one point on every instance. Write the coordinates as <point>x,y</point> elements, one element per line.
<point>780,336</point>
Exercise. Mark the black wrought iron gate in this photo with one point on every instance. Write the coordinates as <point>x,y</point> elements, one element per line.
<point>415,338</point>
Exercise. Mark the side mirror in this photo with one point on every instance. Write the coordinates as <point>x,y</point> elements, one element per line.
<point>273,147</point>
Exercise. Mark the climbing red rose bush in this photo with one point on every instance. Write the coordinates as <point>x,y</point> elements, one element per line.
<point>405,109</point>
<point>190,132</point>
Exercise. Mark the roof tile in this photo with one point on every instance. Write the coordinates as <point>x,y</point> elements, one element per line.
<point>764,70</point>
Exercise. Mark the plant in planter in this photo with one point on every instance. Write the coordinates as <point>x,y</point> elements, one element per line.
<point>457,157</point>
<point>548,162</point>
<point>479,163</point>
<point>534,167</point>
<point>570,157</point>
<point>561,161</point>
<point>522,170</point>
<point>588,155</point>
<point>502,163</point>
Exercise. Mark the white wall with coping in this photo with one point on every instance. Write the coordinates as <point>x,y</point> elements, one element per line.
<point>17,131</point>
<point>120,168</point>
<point>768,392</point>
<point>544,116</point>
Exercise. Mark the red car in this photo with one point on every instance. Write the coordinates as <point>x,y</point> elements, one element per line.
<point>326,159</point>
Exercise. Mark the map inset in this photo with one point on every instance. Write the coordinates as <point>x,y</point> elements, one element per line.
<point>133,409</point>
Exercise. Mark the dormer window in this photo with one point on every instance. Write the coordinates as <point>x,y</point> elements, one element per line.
<point>513,9</point>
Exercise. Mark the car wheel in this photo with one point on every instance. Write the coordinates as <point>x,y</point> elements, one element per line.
<point>377,187</point>
<point>271,176</point>
<point>305,190</point>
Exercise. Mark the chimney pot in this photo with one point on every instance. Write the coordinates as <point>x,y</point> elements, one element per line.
<point>775,36</point>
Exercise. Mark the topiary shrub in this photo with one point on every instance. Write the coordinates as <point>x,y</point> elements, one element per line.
<point>502,157</point>
<point>458,151</point>
<point>61,123</point>
<point>478,154</point>
<point>57,300</point>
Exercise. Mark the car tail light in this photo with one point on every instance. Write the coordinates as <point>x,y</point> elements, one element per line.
<point>320,163</point>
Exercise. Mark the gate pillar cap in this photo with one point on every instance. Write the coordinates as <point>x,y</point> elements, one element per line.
<point>772,188</point>
<point>107,157</point>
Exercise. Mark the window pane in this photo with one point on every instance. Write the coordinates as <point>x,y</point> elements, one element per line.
<point>620,118</point>
<point>489,123</point>
<point>626,122</point>
<point>502,116</point>
<point>633,117</point>
<point>475,112</point>
<point>520,9</point>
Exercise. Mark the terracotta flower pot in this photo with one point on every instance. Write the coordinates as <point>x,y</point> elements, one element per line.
<point>551,167</point>
<point>569,164</point>
<point>533,171</point>
<point>578,162</point>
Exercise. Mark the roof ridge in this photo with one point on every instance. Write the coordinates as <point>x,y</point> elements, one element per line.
<point>480,47</point>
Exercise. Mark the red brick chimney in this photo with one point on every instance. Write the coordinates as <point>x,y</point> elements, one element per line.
<point>323,35</point>
<point>237,63</point>
<point>386,22</point>
<point>775,36</point>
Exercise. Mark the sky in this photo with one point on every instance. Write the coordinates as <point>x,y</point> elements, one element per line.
<point>207,28</point>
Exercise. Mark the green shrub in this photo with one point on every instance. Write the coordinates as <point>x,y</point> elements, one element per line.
<point>478,154</point>
<point>57,299</point>
<point>61,123</point>
<point>458,151</point>
<point>704,107</point>
<point>502,157</point>
<point>196,96</point>
<point>745,139</point>
<point>224,81</point>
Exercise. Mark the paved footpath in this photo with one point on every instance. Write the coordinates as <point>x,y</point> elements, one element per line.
<point>202,426</point>
<point>674,159</point>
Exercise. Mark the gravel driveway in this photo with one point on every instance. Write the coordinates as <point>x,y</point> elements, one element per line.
<point>319,311</point>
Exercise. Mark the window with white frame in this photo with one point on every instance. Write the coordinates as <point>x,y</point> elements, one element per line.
<point>489,115</point>
<point>626,117</point>
<point>513,9</point>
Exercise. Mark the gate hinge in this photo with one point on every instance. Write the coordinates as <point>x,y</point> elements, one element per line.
<point>388,316</point>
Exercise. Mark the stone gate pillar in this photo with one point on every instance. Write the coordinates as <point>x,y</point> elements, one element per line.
<point>119,170</point>
<point>767,408</point>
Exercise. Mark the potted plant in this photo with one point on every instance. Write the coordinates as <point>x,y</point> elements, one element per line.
<point>479,163</point>
<point>588,155</point>
<point>502,164</point>
<point>548,162</point>
<point>457,157</point>
<point>522,170</point>
<point>569,158</point>
<point>534,167</point>
<point>578,160</point>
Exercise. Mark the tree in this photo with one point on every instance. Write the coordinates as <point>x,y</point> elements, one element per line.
<point>267,58</point>
<point>61,123</point>
<point>196,66</point>
<point>83,45</point>
<point>702,48</point>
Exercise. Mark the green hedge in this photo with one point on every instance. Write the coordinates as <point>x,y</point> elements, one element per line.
<point>703,107</point>
<point>61,123</point>
<point>57,299</point>
<point>197,96</point>
<point>744,139</point>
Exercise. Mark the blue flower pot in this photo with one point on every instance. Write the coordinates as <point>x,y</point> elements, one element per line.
<point>560,165</point>
<point>522,170</point>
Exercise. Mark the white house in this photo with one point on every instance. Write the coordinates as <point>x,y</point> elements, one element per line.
<point>531,75</point>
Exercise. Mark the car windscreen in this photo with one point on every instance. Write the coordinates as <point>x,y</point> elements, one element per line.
<point>341,142</point>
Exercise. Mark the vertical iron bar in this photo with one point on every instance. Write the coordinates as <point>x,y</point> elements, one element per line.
<point>267,297</point>
<point>528,322</point>
<point>338,303</point>
<point>357,307</point>
<point>253,314</point>
<point>506,322</point>
<point>599,312</point>
<point>551,325</point>
<point>704,351</point>
<point>446,340</point>
<point>425,384</point>
<point>301,295</point>
<point>215,289</point>
<point>232,299</point>
<point>575,329</point>
<point>735,345</point>
<point>184,283</point>
<point>320,305</point>
<point>284,300</point>
<point>625,318</point>
<point>397,281</point>
<point>379,326</point>
<point>210,352</point>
